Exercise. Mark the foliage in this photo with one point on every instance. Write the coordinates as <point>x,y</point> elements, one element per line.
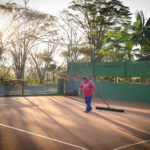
<point>43,63</point>
<point>140,33</point>
<point>22,35</point>
<point>96,17</point>
<point>89,30</point>
<point>118,45</point>
<point>72,36</point>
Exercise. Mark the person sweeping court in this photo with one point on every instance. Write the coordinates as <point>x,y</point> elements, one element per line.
<point>87,86</point>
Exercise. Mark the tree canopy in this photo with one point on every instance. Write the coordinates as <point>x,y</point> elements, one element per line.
<point>96,17</point>
<point>88,30</point>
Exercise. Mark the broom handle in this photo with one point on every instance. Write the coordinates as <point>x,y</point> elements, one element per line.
<point>103,100</point>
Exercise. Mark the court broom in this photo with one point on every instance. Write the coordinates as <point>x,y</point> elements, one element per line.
<point>108,108</point>
<point>105,108</point>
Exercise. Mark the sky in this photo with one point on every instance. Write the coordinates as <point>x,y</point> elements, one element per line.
<point>54,6</point>
<point>140,5</point>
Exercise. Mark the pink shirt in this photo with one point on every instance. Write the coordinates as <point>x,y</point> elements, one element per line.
<point>87,88</point>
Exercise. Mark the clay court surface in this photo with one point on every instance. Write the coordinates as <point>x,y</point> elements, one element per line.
<point>59,123</point>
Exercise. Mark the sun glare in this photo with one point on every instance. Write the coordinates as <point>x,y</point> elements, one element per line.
<point>2,24</point>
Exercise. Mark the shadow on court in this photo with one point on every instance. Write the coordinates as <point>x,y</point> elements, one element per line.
<point>59,123</point>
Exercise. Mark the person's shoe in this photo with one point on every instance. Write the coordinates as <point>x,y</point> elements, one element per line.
<point>86,111</point>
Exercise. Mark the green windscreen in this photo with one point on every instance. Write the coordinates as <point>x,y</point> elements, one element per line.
<point>138,69</point>
<point>124,69</point>
<point>111,69</point>
<point>83,68</point>
<point>118,91</point>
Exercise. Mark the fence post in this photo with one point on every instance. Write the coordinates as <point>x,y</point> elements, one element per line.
<point>93,72</point>
<point>60,86</point>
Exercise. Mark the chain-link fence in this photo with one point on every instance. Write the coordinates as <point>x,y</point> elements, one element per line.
<point>22,88</point>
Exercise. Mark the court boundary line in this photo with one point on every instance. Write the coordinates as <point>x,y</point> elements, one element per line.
<point>126,146</point>
<point>45,137</point>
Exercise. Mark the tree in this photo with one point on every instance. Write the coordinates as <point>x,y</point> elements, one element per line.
<point>72,36</point>
<point>118,45</point>
<point>140,33</point>
<point>39,26</point>
<point>1,45</point>
<point>44,63</point>
<point>96,17</point>
<point>5,69</point>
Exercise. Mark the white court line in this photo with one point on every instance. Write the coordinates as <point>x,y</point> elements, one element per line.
<point>48,138</point>
<point>126,146</point>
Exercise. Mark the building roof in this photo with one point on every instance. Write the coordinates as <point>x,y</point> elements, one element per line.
<point>145,58</point>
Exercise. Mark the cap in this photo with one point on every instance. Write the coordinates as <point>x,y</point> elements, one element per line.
<point>85,78</point>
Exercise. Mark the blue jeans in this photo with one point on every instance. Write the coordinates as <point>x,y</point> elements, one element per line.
<point>88,103</point>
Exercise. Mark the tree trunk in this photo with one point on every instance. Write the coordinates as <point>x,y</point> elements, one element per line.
<point>53,77</point>
<point>41,79</point>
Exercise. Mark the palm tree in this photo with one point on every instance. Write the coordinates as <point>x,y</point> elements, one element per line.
<point>141,33</point>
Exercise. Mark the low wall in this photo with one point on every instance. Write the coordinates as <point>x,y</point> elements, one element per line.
<point>118,91</point>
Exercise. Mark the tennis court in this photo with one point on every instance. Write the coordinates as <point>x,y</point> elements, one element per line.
<point>59,123</point>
